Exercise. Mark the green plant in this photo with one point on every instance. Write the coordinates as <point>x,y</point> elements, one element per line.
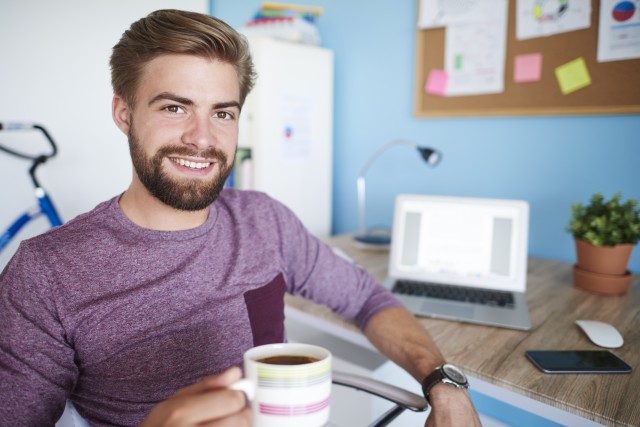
<point>606,223</point>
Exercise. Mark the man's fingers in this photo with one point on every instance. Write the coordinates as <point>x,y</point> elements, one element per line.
<point>241,419</point>
<point>198,408</point>
<point>204,402</point>
<point>225,402</point>
<point>225,379</point>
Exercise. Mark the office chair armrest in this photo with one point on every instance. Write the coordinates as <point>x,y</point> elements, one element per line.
<point>401,397</point>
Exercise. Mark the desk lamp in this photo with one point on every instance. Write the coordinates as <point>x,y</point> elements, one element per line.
<point>367,239</point>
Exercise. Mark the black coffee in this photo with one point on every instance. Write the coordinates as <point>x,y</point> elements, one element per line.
<point>287,359</point>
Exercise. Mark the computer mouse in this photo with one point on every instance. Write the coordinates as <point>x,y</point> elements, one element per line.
<point>600,333</point>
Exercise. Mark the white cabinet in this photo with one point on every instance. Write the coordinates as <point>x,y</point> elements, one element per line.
<point>287,123</point>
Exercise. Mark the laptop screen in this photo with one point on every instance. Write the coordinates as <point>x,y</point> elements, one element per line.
<point>465,241</point>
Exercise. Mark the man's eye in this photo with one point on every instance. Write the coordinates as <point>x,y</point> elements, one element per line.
<point>174,109</point>
<point>224,115</point>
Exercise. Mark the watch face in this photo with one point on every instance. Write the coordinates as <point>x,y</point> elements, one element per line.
<point>454,373</point>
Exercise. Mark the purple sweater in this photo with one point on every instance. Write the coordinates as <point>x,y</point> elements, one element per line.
<point>117,318</point>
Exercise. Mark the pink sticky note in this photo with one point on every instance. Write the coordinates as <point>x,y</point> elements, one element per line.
<point>437,82</point>
<point>527,68</point>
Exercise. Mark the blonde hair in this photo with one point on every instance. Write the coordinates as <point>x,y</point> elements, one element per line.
<point>173,31</point>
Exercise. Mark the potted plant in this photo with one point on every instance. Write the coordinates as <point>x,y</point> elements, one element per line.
<point>605,234</point>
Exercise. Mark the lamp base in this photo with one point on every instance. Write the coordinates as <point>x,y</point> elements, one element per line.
<point>372,242</point>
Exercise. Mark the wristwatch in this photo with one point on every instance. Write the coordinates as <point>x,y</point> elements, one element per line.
<point>448,374</point>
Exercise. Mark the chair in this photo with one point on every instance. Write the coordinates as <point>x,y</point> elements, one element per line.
<point>71,418</point>
<point>402,398</point>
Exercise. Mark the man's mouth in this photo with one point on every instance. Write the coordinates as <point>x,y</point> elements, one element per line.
<point>190,164</point>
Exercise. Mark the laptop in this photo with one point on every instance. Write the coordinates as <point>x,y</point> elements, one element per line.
<point>461,258</point>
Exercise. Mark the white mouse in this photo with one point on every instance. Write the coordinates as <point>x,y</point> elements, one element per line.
<point>600,333</point>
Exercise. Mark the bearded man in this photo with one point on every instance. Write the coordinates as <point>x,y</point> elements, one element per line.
<point>140,310</point>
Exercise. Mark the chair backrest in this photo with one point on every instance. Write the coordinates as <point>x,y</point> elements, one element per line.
<point>71,418</point>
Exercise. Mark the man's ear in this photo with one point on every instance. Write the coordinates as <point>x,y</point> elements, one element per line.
<point>121,113</point>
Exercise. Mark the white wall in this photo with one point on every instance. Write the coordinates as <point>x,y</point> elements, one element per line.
<point>54,70</point>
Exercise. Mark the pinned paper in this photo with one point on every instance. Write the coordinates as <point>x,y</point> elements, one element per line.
<point>619,30</point>
<point>475,52</point>
<point>437,83</point>
<point>539,18</point>
<point>573,76</point>
<point>527,68</point>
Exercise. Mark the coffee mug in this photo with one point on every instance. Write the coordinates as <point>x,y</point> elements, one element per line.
<point>288,385</point>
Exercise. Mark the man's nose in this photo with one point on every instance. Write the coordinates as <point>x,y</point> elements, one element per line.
<point>199,133</point>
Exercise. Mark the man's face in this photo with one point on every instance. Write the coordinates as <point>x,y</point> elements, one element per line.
<point>184,128</point>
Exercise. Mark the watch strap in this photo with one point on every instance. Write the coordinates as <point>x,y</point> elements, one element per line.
<point>430,381</point>
<point>440,376</point>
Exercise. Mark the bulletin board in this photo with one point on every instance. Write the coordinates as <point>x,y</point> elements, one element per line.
<point>614,88</point>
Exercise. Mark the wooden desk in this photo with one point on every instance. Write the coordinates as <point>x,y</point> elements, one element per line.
<point>496,355</point>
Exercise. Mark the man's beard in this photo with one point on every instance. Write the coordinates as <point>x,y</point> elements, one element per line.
<point>187,194</point>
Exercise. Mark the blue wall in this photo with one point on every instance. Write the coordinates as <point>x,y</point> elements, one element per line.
<point>549,161</point>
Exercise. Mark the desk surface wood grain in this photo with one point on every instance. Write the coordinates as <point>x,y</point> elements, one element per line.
<point>497,355</point>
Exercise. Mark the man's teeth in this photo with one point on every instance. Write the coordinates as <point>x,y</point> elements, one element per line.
<point>192,165</point>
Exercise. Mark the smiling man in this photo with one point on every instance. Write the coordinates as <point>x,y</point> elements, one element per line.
<point>185,147</point>
<point>139,311</point>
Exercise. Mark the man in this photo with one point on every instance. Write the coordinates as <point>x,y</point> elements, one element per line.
<point>140,310</point>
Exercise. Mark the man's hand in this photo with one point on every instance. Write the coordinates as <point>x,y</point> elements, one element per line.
<point>400,337</point>
<point>451,406</point>
<point>206,403</point>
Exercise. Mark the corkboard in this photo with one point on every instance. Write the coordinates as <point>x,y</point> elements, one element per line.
<point>615,87</point>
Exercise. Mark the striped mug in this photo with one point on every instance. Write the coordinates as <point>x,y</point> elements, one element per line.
<point>287,384</point>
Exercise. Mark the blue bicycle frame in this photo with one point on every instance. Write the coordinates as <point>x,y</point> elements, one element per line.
<point>45,206</point>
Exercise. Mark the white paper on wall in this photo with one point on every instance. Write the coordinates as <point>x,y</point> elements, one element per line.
<point>296,123</point>
<point>540,18</point>
<point>619,30</point>
<point>441,13</point>
<point>475,51</point>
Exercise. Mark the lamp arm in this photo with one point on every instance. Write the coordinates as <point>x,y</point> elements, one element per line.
<point>362,227</point>
<point>380,150</point>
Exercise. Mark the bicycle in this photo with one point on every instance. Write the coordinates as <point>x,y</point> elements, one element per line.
<point>45,205</point>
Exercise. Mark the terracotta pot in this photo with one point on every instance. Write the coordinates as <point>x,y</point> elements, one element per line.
<point>606,284</point>
<point>603,259</point>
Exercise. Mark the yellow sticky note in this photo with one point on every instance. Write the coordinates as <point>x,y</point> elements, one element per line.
<point>573,76</point>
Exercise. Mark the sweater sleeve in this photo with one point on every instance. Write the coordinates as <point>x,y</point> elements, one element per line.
<point>37,370</point>
<point>315,272</point>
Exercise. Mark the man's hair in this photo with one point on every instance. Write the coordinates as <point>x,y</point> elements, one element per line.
<point>177,32</point>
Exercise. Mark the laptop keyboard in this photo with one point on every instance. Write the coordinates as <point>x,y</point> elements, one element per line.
<point>454,293</point>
